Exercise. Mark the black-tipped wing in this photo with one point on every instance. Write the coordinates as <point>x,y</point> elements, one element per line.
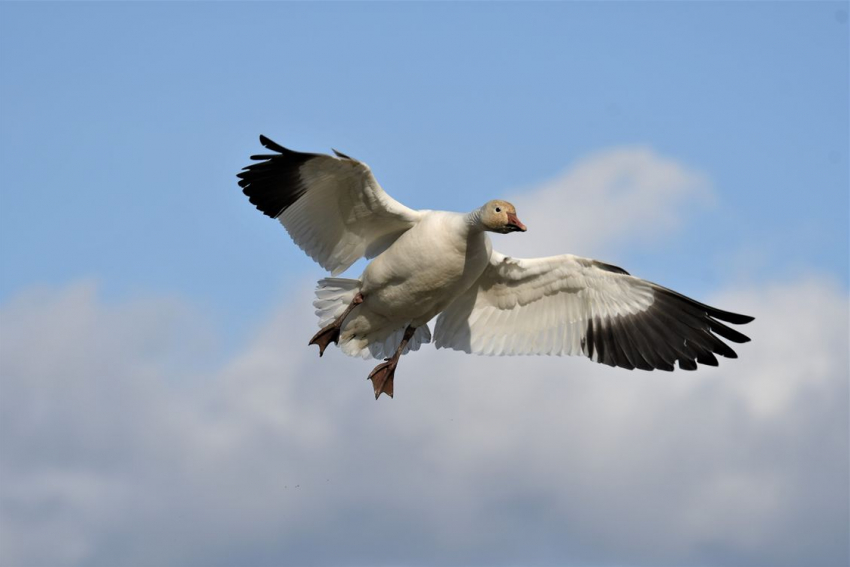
<point>567,305</point>
<point>332,207</point>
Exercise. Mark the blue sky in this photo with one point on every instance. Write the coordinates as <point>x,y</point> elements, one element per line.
<point>136,117</point>
<point>122,126</point>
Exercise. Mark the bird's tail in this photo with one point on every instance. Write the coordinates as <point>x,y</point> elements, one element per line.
<point>333,295</point>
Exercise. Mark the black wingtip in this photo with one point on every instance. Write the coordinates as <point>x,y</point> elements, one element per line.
<point>271,144</point>
<point>341,155</point>
<point>729,317</point>
<point>274,182</point>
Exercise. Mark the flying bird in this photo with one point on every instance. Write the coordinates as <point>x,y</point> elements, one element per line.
<point>428,264</point>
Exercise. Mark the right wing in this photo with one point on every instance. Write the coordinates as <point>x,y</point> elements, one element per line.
<point>332,207</point>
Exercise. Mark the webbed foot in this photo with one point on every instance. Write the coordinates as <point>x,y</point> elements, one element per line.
<point>330,334</point>
<point>326,336</point>
<point>382,377</point>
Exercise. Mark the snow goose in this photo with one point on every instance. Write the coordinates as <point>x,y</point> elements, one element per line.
<point>440,264</point>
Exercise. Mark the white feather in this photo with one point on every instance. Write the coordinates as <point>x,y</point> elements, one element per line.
<point>344,213</point>
<point>537,306</point>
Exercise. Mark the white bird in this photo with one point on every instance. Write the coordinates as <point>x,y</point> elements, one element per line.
<point>437,263</point>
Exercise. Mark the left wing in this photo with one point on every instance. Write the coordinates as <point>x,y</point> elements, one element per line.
<point>567,305</point>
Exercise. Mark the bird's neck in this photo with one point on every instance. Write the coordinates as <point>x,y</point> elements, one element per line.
<point>473,221</point>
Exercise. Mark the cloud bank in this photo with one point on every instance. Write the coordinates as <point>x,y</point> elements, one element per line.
<point>127,439</point>
<point>608,198</point>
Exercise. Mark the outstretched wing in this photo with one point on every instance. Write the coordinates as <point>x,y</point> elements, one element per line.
<point>332,207</point>
<point>576,306</point>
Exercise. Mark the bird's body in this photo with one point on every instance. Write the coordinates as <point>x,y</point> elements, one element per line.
<point>426,268</point>
<point>441,264</point>
<point>415,279</point>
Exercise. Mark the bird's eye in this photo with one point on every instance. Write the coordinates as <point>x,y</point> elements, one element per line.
<point>498,209</point>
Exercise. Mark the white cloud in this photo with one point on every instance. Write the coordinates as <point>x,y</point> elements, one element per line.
<point>113,457</point>
<point>630,193</point>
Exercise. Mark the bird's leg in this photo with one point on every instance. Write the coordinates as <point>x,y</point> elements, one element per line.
<point>383,374</point>
<point>330,334</point>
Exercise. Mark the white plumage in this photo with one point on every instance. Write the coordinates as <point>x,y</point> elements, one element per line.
<point>430,263</point>
<point>345,215</point>
<point>539,306</point>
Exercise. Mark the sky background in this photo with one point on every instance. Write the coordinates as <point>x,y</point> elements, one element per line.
<point>159,403</point>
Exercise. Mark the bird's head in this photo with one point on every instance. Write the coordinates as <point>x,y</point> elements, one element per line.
<point>500,216</point>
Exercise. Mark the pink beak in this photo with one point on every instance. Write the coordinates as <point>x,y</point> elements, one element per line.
<point>515,223</point>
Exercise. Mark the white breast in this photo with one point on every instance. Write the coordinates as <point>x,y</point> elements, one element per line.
<point>426,268</point>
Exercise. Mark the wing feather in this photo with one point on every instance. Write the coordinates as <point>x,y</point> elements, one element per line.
<point>332,207</point>
<point>572,305</point>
